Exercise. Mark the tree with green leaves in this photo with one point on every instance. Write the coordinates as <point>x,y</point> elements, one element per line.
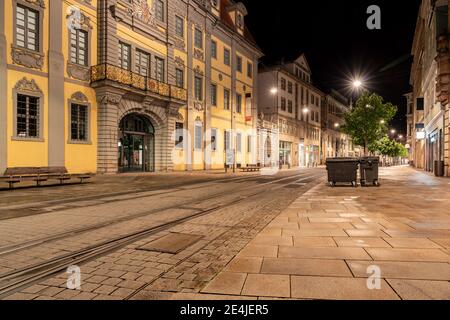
<point>388,147</point>
<point>367,121</point>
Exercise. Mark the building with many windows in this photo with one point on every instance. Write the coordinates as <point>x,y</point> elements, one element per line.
<point>126,85</point>
<point>289,102</point>
<point>334,142</point>
<point>428,118</point>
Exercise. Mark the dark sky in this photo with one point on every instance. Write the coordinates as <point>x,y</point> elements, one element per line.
<point>337,43</point>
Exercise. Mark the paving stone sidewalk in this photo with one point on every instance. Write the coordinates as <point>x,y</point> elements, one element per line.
<point>330,240</point>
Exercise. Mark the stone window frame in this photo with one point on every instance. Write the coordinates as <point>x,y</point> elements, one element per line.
<point>88,29</point>
<point>198,124</point>
<point>153,56</point>
<point>178,17</point>
<point>227,62</point>
<point>199,96</point>
<point>164,14</point>
<point>214,45</point>
<point>213,96</point>
<point>178,69</point>
<point>33,93</point>
<point>239,63</point>
<point>38,56</point>
<point>198,31</point>
<point>83,102</point>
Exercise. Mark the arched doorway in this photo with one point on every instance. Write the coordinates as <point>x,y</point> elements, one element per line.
<point>136,144</point>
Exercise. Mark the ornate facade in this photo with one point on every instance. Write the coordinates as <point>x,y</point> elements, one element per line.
<point>126,85</point>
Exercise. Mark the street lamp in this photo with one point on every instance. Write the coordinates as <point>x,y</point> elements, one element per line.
<point>393,131</point>
<point>382,122</point>
<point>305,110</point>
<point>273,90</point>
<point>336,125</point>
<point>357,84</point>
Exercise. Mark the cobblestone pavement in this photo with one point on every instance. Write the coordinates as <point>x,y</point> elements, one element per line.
<point>125,272</point>
<point>298,241</point>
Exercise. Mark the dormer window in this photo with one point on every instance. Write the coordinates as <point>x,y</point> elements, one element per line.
<point>237,12</point>
<point>239,20</point>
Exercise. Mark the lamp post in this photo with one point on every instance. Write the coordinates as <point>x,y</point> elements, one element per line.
<point>355,87</point>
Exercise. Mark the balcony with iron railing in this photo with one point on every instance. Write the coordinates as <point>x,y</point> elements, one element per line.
<point>128,78</point>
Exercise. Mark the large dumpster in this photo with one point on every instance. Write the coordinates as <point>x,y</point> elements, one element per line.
<point>369,170</point>
<point>342,170</point>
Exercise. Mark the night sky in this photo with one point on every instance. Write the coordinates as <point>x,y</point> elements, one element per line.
<point>337,43</point>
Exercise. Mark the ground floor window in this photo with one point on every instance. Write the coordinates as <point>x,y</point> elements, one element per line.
<point>27,116</point>
<point>285,153</point>
<point>78,122</point>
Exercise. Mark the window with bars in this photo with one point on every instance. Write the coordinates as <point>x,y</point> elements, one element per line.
<point>124,55</point>
<point>226,99</point>
<point>160,10</point>
<point>160,69</point>
<point>179,26</point>
<point>198,38</point>
<point>179,78</point>
<point>79,47</point>
<point>198,88</point>
<point>238,103</point>
<point>27,28</point>
<point>142,60</point>
<point>27,116</point>
<point>214,95</point>
<point>78,122</point>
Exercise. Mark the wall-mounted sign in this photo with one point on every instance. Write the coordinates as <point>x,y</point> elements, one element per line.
<point>420,135</point>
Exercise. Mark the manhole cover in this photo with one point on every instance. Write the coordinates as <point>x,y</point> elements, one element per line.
<point>172,243</point>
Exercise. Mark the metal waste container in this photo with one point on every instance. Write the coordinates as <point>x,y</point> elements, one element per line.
<point>369,170</point>
<point>439,168</point>
<point>343,170</point>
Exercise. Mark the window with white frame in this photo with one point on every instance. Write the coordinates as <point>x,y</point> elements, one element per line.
<point>27,28</point>
<point>124,55</point>
<point>79,46</point>
<point>160,69</point>
<point>142,61</point>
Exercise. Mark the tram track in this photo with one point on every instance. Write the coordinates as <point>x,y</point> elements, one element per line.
<point>35,242</point>
<point>14,280</point>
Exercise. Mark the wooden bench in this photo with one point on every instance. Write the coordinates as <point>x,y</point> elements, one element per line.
<point>251,168</point>
<point>40,174</point>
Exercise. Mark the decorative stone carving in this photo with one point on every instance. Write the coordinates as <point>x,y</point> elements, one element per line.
<point>180,117</point>
<point>172,112</point>
<point>78,72</point>
<point>27,85</point>
<point>39,3</point>
<point>198,71</point>
<point>179,43</point>
<point>79,96</point>
<point>220,77</point>
<point>142,11</point>
<point>198,54</point>
<point>198,105</point>
<point>27,58</point>
<point>179,62</point>
<point>77,19</point>
<point>109,98</point>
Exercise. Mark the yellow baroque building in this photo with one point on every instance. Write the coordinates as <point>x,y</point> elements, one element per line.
<point>113,86</point>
